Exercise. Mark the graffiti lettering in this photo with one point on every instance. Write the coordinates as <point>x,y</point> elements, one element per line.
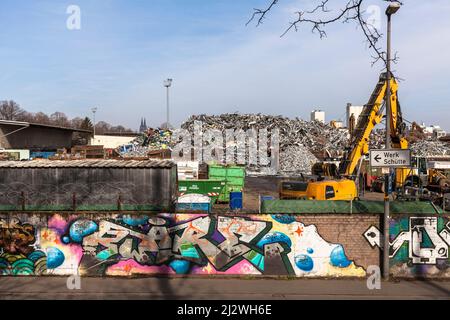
<point>15,237</point>
<point>117,244</point>
<point>425,243</point>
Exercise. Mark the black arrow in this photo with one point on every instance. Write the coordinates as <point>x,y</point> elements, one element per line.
<point>377,158</point>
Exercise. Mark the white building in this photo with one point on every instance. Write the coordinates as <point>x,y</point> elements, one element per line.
<point>318,115</point>
<point>433,130</point>
<point>111,142</point>
<point>438,132</point>
<point>355,110</point>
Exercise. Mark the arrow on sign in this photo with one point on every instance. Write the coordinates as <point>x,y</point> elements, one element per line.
<point>377,158</point>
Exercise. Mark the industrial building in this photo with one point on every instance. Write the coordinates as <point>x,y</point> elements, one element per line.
<point>113,140</point>
<point>35,137</point>
<point>318,115</point>
<point>353,110</point>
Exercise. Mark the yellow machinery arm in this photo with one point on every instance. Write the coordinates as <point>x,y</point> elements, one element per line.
<point>372,115</point>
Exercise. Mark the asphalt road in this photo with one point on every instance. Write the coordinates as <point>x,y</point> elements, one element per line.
<point>216,289</point>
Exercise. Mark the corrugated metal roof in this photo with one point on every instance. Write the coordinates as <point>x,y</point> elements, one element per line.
<point>88,164</point>
<point>32,124</point>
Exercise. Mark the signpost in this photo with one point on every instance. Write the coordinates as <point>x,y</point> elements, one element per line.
<point>390,158</point>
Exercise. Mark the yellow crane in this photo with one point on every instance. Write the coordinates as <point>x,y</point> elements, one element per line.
<point>343,186</point>
<point>371,115</point>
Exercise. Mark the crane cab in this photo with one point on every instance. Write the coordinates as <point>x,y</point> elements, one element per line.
<point>344,189</point>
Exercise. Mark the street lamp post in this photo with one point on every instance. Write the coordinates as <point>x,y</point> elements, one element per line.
<point>94,110</point>
<point>167,84</point>
<point>391,9</point>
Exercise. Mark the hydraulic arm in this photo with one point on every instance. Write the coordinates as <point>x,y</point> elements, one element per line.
<point>371,116</point>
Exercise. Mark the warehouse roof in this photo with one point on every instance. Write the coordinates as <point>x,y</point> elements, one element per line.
<point>30,124</point>
<point>88,164</point>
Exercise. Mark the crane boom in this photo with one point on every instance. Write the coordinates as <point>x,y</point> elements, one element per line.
<point>371,115</point>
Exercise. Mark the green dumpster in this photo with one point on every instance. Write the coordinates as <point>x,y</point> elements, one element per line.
<point>211,187</point>
<point>234,177</point>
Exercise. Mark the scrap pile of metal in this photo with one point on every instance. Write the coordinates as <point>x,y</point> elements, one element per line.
<point>377,139</point>
<point>151,140</point>
<point>301,142</point>
<point>420,147</point>
<point>296,159</point>
<point>430,148</point>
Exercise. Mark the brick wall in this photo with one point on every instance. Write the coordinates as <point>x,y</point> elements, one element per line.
<point>348,230</point>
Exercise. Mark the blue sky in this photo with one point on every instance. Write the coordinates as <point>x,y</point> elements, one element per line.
<point>125,49</point>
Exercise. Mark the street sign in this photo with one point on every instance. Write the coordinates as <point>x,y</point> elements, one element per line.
<point>392,158</point>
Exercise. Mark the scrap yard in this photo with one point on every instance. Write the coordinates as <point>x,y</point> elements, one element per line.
<point>174,140</point>
<point>236,161</point>
<point>304,149</point>
<point>235,194</point>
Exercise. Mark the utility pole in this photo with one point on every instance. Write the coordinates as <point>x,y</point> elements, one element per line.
<point>391,9</point>
<point>167,84</point>
<point>94,110</point>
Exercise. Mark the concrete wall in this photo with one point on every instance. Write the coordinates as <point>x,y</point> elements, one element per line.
<point>35,138</point>
<point>420,245</point>
<point>325,245</point>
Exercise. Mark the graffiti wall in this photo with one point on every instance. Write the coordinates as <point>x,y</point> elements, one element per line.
<point>125,245</point>
<point>419,245</point>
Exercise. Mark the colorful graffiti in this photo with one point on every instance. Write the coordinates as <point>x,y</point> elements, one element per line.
<point>177,244</point>
<point>18,255</point>
<point>418,245</point>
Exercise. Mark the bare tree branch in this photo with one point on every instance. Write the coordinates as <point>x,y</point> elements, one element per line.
<point>261,13</point>
<point>352,11</point>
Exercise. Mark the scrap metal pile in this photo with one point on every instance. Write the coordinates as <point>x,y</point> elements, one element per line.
<point>301,142</point>
<point>430,148</point>
<point>377,139</point>
<point>151,140</point>
<point>420,146</point>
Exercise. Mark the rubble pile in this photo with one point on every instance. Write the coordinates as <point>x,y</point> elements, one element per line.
<point>420,146</point>
<point>151,140</point>
<point>300,141</point>
<point>297,159</point>
<point>430,148</point>
<point>377,139</point>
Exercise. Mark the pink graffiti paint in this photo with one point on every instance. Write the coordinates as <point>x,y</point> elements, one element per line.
<point>59,223</point>
<point>129,267</point>
<point>242,267</point>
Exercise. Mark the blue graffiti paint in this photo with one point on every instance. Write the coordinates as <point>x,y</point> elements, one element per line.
<point>4,267</point>
<point>180,266</point>
<point>36,255</point>
<point>283,218</point>
<point>338,257</point>
<point>82,228</point>
<point>310,250</point>
<point>65,239</point>
<point>103,255</point>
<point>274,237</point>
<point>304,262</point>
<point>134,222</point>
<point>55,257</point>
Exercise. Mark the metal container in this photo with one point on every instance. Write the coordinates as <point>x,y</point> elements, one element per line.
<point>84,185</point>
<point>340,206</point>
<point>234,177</point>
<point>235,200</point>
<point>211,187</point>
<point>194,203</point>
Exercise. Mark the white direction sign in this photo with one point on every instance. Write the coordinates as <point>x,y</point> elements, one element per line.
<point>397,158</point>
